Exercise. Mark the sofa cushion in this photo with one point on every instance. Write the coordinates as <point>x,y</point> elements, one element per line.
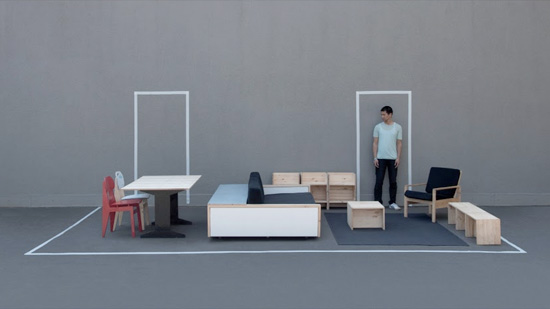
<point>255,189</point>
<point>289,198</point>
<point>424,196</point>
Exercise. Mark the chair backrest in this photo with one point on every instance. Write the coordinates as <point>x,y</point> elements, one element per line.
<point>108,195</point>
<point>443,177</point>
<point>119,183</point>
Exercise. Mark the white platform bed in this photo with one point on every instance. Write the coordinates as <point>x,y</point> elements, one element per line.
<point>230,216</point>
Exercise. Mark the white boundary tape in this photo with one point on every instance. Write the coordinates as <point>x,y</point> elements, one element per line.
<point>33,251</point>
<point>66,230</point>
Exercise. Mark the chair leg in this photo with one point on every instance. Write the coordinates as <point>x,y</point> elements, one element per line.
<point>120,215</point>
<point>104,222</point>
<point>112,220</point>
<point>142,211</point>
<point>406,211</point>
<point>146,212</point>
<point>140,218</point>
<point>433,212</point>
<point>118,218</point>
<point>132,223</point>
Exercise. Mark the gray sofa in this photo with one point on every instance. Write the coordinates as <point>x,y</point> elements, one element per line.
<point>255,210</point>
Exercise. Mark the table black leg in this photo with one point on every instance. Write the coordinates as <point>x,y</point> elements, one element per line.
<point>162,216</point>
<point>174,215</point>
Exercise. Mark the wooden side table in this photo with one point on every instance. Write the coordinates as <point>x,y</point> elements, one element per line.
<point>366,215</point>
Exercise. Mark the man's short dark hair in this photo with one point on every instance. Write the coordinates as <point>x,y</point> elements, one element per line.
<point>387,109</point>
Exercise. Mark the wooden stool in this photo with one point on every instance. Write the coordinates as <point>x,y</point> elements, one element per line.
<point>366,215</point>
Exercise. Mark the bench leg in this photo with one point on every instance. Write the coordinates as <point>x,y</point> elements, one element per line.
<point>459,220</point>
<point>488,232</point>
<point>469,226</point>
<point>451,217</point>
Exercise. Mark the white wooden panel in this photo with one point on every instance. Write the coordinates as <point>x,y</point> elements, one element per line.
<point>260,222</point>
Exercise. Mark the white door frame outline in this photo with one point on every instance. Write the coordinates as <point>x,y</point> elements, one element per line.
<point>136,95</point>
<point>358,134</point>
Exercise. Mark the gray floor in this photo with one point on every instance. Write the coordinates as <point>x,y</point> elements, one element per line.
<point>197,272</point>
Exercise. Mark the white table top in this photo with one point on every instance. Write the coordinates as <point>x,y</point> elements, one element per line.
<point>163,183</point>
<point>365,205</point>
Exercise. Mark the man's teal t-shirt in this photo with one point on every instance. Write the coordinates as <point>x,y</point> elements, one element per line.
<point>387,140</point>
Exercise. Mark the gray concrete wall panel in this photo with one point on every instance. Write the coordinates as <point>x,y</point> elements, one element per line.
<point>272,88</point>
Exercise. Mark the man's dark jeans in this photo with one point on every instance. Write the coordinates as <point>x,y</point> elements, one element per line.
<point>380,173</point>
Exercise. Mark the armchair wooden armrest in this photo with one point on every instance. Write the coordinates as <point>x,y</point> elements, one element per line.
<point>434,190</point>
<point>457,187</point>
<point>414,185</point>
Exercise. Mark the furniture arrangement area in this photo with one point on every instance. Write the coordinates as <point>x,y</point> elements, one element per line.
<point>165,189</point>
<point>475,222</point>
<point>326,188</point>
<point>288,208</point>
<point>442,188</point>
<point>369,214</point>
<point>255,210</point>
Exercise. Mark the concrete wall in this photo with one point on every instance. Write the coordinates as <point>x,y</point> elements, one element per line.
<point>272,88</point>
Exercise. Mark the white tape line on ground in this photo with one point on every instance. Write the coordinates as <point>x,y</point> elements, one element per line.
<point>67,229</point>
<point>271,252</point>
<point>513,245</point>
<point>32,252</point>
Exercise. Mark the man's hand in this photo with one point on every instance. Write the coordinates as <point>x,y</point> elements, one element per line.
<point>397,162</point>
<point>376,163</point>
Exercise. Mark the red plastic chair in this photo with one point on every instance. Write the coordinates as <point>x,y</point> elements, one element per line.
<point>111,206</point>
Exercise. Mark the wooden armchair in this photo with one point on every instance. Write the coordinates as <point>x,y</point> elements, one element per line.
<point>441,189</point>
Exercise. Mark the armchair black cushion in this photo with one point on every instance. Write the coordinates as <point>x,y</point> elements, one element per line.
<point>443,177</point>
<point>255,189</point>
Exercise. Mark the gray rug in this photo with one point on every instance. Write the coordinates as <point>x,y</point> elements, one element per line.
<point>417,230</point>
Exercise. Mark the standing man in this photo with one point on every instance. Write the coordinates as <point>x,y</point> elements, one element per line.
<point>386,149</point>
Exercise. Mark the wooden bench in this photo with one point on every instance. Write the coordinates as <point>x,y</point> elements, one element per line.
<point>475,222</point>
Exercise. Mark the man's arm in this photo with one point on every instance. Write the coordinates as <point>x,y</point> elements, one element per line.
<point>375,151</point>
<point>399,146</point>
